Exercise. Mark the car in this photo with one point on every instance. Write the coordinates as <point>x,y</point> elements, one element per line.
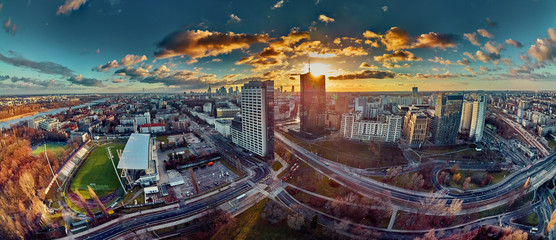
<point>325,163</point>
<point>534,230</point>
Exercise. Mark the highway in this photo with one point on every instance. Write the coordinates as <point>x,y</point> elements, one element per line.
<point>473,201</point>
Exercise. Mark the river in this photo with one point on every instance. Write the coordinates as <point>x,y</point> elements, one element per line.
<point>6,124</point>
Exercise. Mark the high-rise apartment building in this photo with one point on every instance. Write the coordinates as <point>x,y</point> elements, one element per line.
<point>415,91</point>
<point>313,103</point>
<point>255,130</point>
<point>415,128</point>
<point>478,118</point>
<point>387,131</point>
<point>447,117</point>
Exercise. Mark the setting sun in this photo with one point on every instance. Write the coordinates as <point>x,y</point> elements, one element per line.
<point>320,69</point>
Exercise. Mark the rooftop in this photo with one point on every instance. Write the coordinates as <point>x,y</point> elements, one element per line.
<point>136,152</point>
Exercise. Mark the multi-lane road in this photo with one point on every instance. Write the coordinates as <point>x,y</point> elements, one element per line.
<point>473,201</point>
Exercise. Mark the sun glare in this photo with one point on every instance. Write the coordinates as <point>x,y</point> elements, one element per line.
<point>320,69</point>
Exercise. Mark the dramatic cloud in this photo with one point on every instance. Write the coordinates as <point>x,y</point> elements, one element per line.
<point>39,83</point>
<point>199,43</point>
<point>69,6</point>
<point>491,23</point>
<point>128,60</point>
<point>133,73</point>
<point>470,70</point>
<point>435,40</point>
<point>234,19</point>
<point>118,80</point>
<point>397,56</point>
<point>370,34</point>
<point>472,37</point>
<point>391,65</point>
<point>544,50</point>
<point>279,4</point>
<point>485,33</point>
<point>485,57</point>
<point>88,82</point>
<point>514,43</point>
<point>447,62</point>
<point>323,18</point>
<point>9,27</point>
<point>107,66</point>
<point>506,61</point>
<point>395,39</point>
<point>438,76</point>
<point>493,47</point>
<point>131,59</point>
<point>365,74</point>
<point>43,67</point>
<point>366,65</point>
<point>4,77</point>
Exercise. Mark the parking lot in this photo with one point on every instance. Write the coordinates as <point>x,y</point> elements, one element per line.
<point>208,177</point>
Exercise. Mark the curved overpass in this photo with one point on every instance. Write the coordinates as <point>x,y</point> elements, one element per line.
<point>477,200</point>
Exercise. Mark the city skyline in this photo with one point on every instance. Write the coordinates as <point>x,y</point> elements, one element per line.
<point>81,46</point>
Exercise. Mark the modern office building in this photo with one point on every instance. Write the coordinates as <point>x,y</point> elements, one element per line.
<point>478,118</point>
<point>254,131</point>
<point>415,128</point>
<point>447,117</point>
<point>466,114</point>
<point>313,103</point>
<point>415,91</point>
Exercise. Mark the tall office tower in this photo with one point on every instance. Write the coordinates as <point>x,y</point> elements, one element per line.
<point>415,91</point>
<point>293,89</point>
<point>209,91</point>
<point>281,88</point>
<point>478,120</point>
<point>447,117</point>
<point>415,129</point>
<point>466,114</point>
<point>237,90</point>
<point>257,118</point>
<point>231,90</point>
<point>313,103</point>
<point>342,105</point>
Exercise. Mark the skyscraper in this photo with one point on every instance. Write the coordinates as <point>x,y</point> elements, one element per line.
<point>415,91</point>
<point>466,114</point>
<point>293,89</point>
<point>255,130</point>
<point>478,118</point>
<point>313,103</point>
<point>447,117</point>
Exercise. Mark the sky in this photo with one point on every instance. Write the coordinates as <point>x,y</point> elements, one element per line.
<point>170,46</point>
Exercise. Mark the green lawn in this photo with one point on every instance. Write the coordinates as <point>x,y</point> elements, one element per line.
<point>250,225</point>
<point>276,166</point>
<point>56,147</point>
<point>98,170</point>
<point>497,177</point>
<point>530,220</point>
<point>162,139</point>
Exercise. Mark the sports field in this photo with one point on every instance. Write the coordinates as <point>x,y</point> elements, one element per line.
<point>55,147</point>
<point>97,171</point>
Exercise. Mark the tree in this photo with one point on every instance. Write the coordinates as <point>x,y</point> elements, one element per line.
<point>295,221</point>
<point>428,236</point>
<point>455,168</point>
<point>466,183</point>
<point>391,173</point>
<point>456,177</point>
<point>273,212</point>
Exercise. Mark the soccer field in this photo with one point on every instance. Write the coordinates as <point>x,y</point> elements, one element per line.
<point>97,171</point>
<point>55,147</point>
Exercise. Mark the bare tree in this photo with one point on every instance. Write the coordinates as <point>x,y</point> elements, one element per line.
<point>273,212</point>
<point>466,183</point>
<point>428,236</point>
<point>295,221</point>
<point>391,173</point>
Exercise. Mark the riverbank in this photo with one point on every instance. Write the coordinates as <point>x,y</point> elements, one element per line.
<point>21,116</point>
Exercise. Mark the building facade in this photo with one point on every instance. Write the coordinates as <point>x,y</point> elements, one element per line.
<point>386,131</point>
<point>254,131</point>
<point>478,119</point>
<point>447,117</point>
<point>466,114</point>
<point>313,103</point>
<point>415,128</point>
